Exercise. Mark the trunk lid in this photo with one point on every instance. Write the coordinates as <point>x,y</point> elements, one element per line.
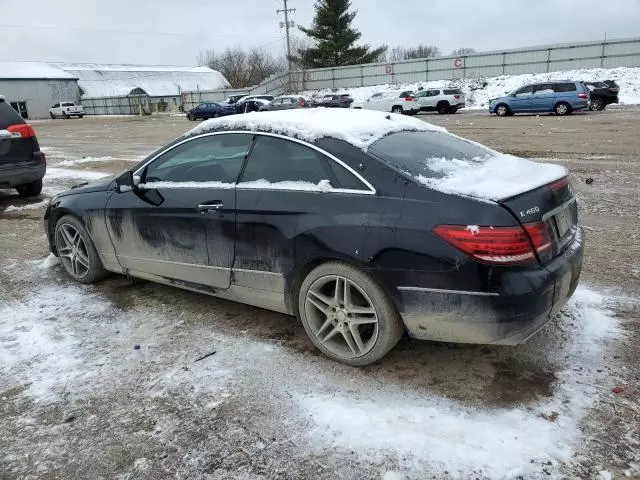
<point>553,205</point>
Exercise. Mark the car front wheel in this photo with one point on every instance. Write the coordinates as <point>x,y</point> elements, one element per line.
<point>77,252</point>
<point>347,315</point>
<point>397,109</point>
<point>502,110</point>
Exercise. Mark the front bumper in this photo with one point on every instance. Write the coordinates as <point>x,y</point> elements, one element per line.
<point>495,317</point>
<point>14,174</point>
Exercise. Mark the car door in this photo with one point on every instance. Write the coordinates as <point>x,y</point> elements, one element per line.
<point>431,98</point>
<point>289,188</point>
<point>543,97</point>
<point>375,102</point>
<point>520,100</point>
<point>178,224</point>
<point>275,104</point>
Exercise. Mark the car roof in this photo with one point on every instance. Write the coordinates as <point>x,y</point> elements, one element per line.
<point>358,127</point>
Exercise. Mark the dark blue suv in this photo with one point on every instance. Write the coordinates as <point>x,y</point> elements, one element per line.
<point>208,110</point>
<point>560,97</point>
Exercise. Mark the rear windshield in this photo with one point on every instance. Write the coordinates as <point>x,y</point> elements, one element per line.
<point>8,116</point>
<point>416,152</point>
<point>454,91</point>
<point>565,87</point>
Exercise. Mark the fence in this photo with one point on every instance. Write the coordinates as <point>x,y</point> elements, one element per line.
<point>193,99</point>
<point>548,58</point>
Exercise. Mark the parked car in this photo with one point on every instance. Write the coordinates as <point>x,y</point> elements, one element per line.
<point>66,110</point>
<point>560,97</point>
<point>233,99</point>
<point>286,102</point>
<point>257,100</point>
<point>390,101</point>
<point>342,100</point>
<point>208,110</point>
<point>343,218</point>
<point>442,100</point>
<point>22,164</point>
<point>602,94</point>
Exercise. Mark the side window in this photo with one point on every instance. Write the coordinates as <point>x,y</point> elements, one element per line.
<point>565,87</point>
<point>524,91</point>
<point>433,93</point>
<point>277,101</point>
<point>277,160</point>
<point>215,158</point>
<point>544,89</point>
<point>56,105</point>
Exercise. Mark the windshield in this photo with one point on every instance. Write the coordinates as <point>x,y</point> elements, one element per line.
<point>428,154</point>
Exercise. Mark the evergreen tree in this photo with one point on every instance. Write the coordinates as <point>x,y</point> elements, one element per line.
<point>334,38</point>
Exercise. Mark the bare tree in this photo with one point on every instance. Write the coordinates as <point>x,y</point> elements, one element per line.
<point>397,54</point>
<point>243,68</point>
<point>458,52</point>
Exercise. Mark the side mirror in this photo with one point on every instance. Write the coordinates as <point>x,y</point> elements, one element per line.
<point>124,182</point>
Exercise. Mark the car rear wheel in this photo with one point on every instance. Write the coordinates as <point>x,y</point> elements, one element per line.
<point>562,108</point>
<point>80,116</point>
<point>397,109</point>
<point>65,115</point>
<point>347,315</point>
<point>597,104</point>
<point>77,252</point>
<point>30,189</point>
<point>502,110</point>
<point>444,108</point>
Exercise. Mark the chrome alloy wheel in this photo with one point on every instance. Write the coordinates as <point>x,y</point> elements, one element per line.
<point>72,251</point>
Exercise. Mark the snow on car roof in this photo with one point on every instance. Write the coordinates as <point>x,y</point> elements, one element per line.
<point>358,127</point>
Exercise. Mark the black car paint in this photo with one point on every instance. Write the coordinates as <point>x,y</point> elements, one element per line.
<point>388,234</point>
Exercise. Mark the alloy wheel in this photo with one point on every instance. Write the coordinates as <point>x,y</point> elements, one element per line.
<point>341,316</point>
<point>72,251</point>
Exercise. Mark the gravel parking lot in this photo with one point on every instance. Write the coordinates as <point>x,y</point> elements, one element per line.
<point>102,381</point>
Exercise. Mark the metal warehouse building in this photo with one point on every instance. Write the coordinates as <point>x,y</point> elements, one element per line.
<point>32,88</point>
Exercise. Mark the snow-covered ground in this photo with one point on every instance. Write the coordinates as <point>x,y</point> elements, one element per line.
<point>480,90</point>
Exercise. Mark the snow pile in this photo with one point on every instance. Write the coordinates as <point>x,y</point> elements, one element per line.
<point>432,434</point>
<point>358,127</point>
<point>321,186</point>
<point>55,173</point>
<point>480,90</point>
<point>493,178</point>
<point>28,206</point>
<point>158,185</point>
<point>32,70</point>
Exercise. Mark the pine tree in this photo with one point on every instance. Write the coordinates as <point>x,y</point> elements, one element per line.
<point>334,38</point>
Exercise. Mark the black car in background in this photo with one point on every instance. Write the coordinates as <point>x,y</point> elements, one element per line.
<point>208,110</point>
<point>334,101</point>
<point>602,93</point>
<point>252,103</point>
<point>328,215</point>
<point>22,164</point>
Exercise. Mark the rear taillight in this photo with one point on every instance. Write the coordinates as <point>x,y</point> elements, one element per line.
<point>409,99</point>
<point>497,245</point>
<point>559,184</point>
<point>457,97</point>
<point>583,95</point>
<point>613,90</point>
<point>23,130</point>
<point>301,102</point>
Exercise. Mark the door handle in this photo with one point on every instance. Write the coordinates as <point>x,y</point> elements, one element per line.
<point>210,207</point>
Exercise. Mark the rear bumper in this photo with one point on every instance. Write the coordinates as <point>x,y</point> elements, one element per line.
<point>12,175</point>
<point>494,317</point>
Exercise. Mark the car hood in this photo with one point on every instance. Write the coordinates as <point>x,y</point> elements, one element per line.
<point>88,187</point>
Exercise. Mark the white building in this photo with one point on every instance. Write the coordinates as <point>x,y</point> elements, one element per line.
<point>33,87</point>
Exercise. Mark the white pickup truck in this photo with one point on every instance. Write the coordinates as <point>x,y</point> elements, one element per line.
<point>66,110</point>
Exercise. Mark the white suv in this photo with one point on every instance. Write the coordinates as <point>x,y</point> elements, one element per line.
<point>442,100</point>
<point>394,101</point>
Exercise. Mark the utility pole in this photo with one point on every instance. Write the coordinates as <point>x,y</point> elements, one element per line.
<point>287,25</point>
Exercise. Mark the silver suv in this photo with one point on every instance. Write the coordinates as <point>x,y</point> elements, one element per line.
<point>442,100</point>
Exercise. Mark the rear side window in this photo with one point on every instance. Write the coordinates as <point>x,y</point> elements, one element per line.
<point>8,116</point>
<point>544,88</point>
<point>412,152</point>
<point>454,91</point>
<point>565,87</point>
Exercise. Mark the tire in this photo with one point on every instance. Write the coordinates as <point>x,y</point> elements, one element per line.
<point>397,109</point>
<point>52,115</point>
<point>502,110</point>
<point>83,252</point>
<point>65,115</point>
<point>597,105</point>
<point>30,189</point>
<point>562,108</point>
<point>443,108</point>
<point>80,116</point>
<point>453,110</point>
<point>379,326</point>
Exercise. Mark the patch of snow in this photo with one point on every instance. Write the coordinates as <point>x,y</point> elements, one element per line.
<point>321,186</point>
<point>68,163</point>
<point>605,475</point>
<point>55,173</point>
<point>154,185</point>
<point>33,70</point>
<point>358,127</point>
<point>495,177</point>
<point>28,206</point>
<point>49,262</point>
<point>431,433</point>
<point>394,476</point>
<point>475,229</point>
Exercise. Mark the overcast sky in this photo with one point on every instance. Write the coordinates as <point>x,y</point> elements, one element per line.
<point>174,31</point>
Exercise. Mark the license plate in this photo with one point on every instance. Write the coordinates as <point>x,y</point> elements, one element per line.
<point>563,222</point>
